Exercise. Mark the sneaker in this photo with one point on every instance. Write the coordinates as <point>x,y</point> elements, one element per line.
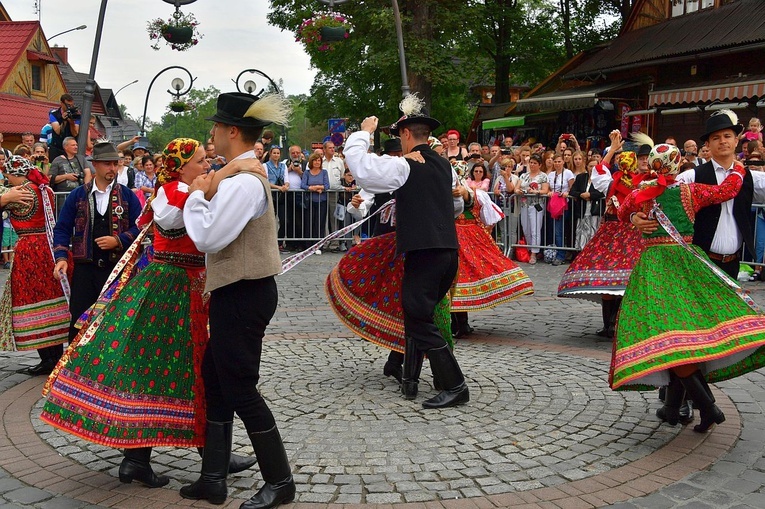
<point>7,265</point>
<point>557,262</point>
<point>318,252</point>
<point>532,259</point>
<point>343,247</point>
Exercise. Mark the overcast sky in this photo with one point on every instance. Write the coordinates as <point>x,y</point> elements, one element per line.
<point>237,36</point>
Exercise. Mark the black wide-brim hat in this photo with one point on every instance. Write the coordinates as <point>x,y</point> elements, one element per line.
<point>404,121</point>
<point>392,145</point>
<point>231,109</point>
<point>718,122</point>
<point>644,149</point>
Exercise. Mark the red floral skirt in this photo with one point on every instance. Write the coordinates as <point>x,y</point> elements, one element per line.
<point>604,266</point>
<point>486,277</point>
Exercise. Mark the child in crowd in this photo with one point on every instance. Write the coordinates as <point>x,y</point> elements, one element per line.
<point>754,132</point>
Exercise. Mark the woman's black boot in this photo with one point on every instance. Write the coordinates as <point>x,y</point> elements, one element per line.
<point>675,393</point>
<point>698,390</point>
<point>279,487</point>
<point>136,467</point>
<point>211,485</point>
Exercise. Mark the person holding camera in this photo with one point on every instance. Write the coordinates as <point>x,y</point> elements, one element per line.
<point>65,122</point>
<point>69,171</point>
<point>295,200</point>
<point>40,157</point>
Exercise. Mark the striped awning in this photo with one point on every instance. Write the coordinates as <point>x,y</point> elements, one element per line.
<point>731,91</point>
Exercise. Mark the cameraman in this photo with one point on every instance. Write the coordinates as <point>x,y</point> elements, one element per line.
<point>69,171</point>
<point>65,122</point>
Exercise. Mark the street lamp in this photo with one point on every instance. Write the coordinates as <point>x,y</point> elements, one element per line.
<point>250,86</point>
<point>121,88</point>
<point>177,85</point>
<point>81,27</point>
<point>89,93</point>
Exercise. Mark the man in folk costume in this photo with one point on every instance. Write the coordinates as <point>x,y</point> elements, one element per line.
<point>237,230</point>
<point>425,231</point>
<point>99,220</point>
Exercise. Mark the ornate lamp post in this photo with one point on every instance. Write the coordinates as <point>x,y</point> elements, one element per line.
<point>177,85</point>
<point>250,86</point>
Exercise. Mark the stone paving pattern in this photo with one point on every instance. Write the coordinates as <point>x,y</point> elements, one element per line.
<point>542,428</point>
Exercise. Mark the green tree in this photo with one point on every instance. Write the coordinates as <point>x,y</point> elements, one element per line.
<point>361,75</point>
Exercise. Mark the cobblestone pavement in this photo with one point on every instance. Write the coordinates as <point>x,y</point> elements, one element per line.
<point>542,428</point>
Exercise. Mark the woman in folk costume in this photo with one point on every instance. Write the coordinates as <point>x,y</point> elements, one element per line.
<point>39,312</point>
<point>601,271</point>
<point>486,277</point>
<point>678,335</point>
<point>133,380</point>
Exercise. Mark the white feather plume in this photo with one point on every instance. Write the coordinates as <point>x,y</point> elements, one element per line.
<point>272,108</point>
<point>731,115</point>
<point>411,105</point>
<point>642,139</point>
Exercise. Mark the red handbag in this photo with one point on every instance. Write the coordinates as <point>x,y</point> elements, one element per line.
<point>557,205</point>
<point>522,254</point>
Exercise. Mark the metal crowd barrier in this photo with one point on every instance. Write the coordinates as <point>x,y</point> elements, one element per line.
<point>508,231</point>
<point>301,222</point>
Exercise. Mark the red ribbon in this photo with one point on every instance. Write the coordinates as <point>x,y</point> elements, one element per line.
<point>652,191</point>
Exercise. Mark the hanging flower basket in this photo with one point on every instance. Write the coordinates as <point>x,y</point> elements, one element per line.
<point>180,106</point>
<point>179,32</point>
<point>323,31</point>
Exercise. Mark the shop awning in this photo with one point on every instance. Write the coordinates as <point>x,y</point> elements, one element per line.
<point>501,123</point>
<point>725,91</point>
<point>573,99</point>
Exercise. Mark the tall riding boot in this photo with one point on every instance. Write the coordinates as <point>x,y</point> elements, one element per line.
<point>698,390</point>
<point>393,365</point>
<point>615,306</point>
<point>412,368</point>
<point>211,485</point>
<point>605,310</point>
<point>279,487</point>
<point>236,464</point>
<point>136,467</point>
<point>447,370</point>
<point>670,412</point>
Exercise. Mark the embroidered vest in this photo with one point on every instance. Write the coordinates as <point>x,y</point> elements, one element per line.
<point>254,254</point>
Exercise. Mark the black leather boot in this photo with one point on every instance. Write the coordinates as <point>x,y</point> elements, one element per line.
<point>686,411</point>
<point>236,464</point>
<point>615,305</point>
<point>410,378</point>
<point>447,370</point>
<point>698,390</point>
<point>674,396</point>
<point>211,485</point>
<point>279,487</point>
<point>393,365</point>
<point>605,310</point>
<point>135,467</point>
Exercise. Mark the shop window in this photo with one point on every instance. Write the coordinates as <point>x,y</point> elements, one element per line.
<point>37,78</point>
<point>680,7</point>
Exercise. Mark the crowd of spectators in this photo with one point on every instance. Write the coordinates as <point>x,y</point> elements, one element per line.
<point>312,189</point>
